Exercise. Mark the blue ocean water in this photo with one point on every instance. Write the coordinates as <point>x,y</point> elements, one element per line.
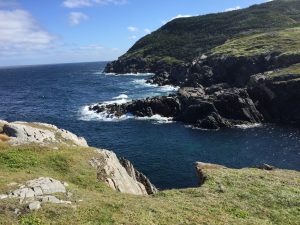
<point>166,152</point>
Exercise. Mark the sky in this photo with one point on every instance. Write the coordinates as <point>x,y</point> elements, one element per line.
<point>64,31</point>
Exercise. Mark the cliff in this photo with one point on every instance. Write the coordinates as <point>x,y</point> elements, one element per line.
<point>233,68</point>
<point>59,180</point>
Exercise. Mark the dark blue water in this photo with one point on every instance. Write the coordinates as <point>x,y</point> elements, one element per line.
<point>166,152</point>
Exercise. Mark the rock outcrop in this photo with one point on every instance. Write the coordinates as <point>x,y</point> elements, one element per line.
<point>119,174</point>
<point>40,133</point>
<point>38,191</point>
<point>123,179</point>
<point>277,98</point>
<point>138,176</point>
<point>208,108</point>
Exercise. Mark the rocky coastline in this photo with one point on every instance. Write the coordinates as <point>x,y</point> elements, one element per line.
<point>220,92</point>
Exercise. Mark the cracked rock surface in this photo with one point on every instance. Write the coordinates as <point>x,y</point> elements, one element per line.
<point>38,191</point>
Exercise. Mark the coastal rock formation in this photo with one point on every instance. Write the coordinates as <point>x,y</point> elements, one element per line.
<point>40,133</point>
<point>120,175</point>
<point>277,97</point>
<point>207,108</point>
<point>138,176</point>
<point>214,53</point>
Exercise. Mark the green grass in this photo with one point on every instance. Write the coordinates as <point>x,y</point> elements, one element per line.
<point>247,196</point>
<point>285,41</point>
<point>186,38</point>
<point>291,70</point>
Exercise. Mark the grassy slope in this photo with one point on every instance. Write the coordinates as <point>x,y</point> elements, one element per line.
<point>285,41</point>
<point>247,196</point>
<point>186,38</point>
<point>292,70</point>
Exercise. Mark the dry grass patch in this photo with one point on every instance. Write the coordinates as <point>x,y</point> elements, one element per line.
<point>4,138</point>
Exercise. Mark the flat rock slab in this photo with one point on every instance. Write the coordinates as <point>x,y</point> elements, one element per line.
<point>39,187</point>
<point>40,133</point>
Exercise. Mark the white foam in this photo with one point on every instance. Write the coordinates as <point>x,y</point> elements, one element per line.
<point>158,118</point>
<point>165,88</point>
<point>248,126</point>
<point>130,74</point>
<point>89,115</point>
<point>98,73</point>
<point>122,96</point>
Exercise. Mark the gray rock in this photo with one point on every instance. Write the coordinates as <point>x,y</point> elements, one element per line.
<point>34,205</point>
<point>40,133</point>
<point>3,196</point>
<point>266,167</point>
<point>138,176</point>
<point>38,187</point>
<point>115,175</point>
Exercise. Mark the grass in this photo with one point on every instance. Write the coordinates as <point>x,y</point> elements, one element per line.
<point>285,41</point>
<point>186,38</point>
<point>247,196</point>
<point>291,70</point>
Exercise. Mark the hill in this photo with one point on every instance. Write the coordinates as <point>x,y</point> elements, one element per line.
<point>183,39</point>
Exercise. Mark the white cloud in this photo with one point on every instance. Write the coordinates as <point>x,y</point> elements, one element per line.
<point>20,32</point>
<point>147,31</point>
<point>88,3</point>
<point>76,18</point>
<point>133,29</point>
<point>176,17</point>
<point>232,9</point>
<point>133,37</point>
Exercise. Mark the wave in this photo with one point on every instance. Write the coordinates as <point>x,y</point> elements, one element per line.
<point>129,74</point>
<point>157,118</point>
<point>248,126</point>
<point>88,115</point>
<point>121,96</point>
<point>165,88</point>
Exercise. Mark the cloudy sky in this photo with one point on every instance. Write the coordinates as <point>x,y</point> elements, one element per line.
<point>60,31</point>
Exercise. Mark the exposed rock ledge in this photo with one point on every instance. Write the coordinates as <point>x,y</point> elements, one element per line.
<point>209,108</point>
<point>118,174</point>
<point>21,133</point>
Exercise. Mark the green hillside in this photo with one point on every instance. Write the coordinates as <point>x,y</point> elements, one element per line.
<point>247,196</point>
<point>187,38</point>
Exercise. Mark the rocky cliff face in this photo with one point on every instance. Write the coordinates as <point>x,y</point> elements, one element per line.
<point>277,98</point>
<point>119,174</point>
<point>208,108</point>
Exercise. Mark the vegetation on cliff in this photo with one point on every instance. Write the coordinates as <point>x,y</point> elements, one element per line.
<point>285,41</point>
<point>246,196</point>
<point>187,38</point>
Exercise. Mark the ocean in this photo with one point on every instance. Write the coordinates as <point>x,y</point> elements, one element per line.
<point>163,150</point>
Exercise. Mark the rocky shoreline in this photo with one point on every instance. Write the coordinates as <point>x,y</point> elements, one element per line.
<point>217,92</point>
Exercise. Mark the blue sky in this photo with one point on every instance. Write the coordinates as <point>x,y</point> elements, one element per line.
<point>60,31</point>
